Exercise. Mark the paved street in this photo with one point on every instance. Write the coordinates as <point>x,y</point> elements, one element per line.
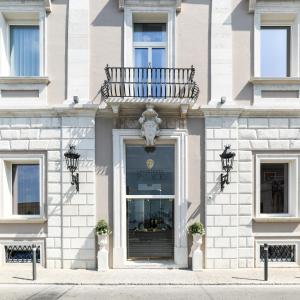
<point>49,292</point>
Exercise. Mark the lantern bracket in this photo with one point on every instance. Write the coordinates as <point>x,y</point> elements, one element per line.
<point>72,158</point>
<point>227,158</point>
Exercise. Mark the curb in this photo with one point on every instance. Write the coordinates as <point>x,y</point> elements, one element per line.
<point>152,284</point>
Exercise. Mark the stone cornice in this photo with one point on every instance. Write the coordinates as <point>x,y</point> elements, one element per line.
<point>49,111</point>
<point>94,110</point>
<point>250,111</point>
<point>150,3</point>
<point>42,3</point>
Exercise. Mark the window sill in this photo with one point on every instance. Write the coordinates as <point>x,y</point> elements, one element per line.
<point>275,80</point>
<point>277,220</point>
<point>24,80</point>
<point>29,220</point>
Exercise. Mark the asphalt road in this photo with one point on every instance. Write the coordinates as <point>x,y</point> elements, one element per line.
<point>51,292</point>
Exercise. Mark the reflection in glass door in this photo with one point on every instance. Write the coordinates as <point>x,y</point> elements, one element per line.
<point>150,202</point>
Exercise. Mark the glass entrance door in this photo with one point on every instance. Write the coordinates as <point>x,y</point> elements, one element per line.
<point>150,201</point>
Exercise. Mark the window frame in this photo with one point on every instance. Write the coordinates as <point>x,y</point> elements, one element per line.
<point>6,162</point>
<point>132,13</point>
<point>276,17</point>
<point>24,23</point>
<point>150,45</point>
<point>288,47</point>
<point>293,192</point>
<point>40,20</point>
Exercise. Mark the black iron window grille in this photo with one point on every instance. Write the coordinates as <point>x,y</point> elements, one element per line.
<point>21,254</point>
<point>279,253</point>
<point>138,82</point>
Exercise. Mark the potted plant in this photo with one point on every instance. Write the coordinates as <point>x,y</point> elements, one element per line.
<point>103,231</point>
<point>197,231</point>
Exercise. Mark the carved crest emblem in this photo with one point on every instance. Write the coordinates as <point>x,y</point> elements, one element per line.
<point>150,125</point>
<point>150,163</point>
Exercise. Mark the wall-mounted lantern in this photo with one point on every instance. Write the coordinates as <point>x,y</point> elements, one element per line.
<point>227,158</point>
<point>72,158</point>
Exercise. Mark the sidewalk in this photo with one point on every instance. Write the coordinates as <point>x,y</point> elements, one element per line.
<point>16,274</point>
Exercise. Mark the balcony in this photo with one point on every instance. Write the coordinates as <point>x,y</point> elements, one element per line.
<point>150,85</point>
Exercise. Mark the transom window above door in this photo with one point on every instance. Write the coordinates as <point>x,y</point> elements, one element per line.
<point>150,173</point>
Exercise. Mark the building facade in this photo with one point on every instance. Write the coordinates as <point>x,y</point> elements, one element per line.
<point>150,93</point>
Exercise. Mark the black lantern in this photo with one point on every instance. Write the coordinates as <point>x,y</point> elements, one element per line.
<point>72,164</point>
<point>227,158</point>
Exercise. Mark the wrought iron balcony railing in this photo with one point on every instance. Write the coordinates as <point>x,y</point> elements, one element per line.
<point>125,82</point>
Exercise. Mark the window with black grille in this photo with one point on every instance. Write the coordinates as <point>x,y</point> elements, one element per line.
<point>21,254</point>
<point>279,253</point>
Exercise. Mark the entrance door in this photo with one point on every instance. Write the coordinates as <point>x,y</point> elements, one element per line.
<point>150,201</point>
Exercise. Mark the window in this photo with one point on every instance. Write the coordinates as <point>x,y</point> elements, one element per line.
<point>274,188</point>
<point>24,50</point>
<point>21,254</point>
<point>22,189</point>
<point>281,252</point>
<point>23,42</point>
<point>26,189</point>
<point>275,51</point>
<point>149,42</point>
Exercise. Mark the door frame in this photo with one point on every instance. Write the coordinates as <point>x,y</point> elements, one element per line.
<point>167,136</point>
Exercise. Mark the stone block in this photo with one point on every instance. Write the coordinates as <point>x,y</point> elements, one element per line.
<point>222,133</point>
<point>279,122</point>
<point>86,210</point>
<point>295,122</point>
<point>222,221</point>
<point>78,221</point>
<point>4,145</point>
<point>50,133</point>
<point>222,263</point>
<point>222,242</point>
<point>30,133</point>
<point>245,155</point>
<point>214,210</point>
<point>247,134</point>
<point>229,253</point>
<point>289,134</point>
<point>229,210</point>
<point>279,144</point>
<point>259,145</point>
<point>20,122</point>
<point>10,134</point>
<point>265,134</point>
<point>214,253</point>
<point>258,123</point>
<point>19,145</point>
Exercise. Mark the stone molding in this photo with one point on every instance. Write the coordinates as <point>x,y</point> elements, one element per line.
<point>120,136</point>
<point>177,3</point>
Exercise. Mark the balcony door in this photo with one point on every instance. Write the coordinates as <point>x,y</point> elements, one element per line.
<point>150,53</point>
<point>150,201</point>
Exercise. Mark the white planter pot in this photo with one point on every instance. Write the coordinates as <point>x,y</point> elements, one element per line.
<point>102,241</point>
<point>197,257</point>
<point>102,252</point>
<point>197,239</point>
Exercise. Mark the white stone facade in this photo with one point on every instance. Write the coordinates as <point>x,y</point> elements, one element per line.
<point>70,216</point>
<point>230,239</point>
